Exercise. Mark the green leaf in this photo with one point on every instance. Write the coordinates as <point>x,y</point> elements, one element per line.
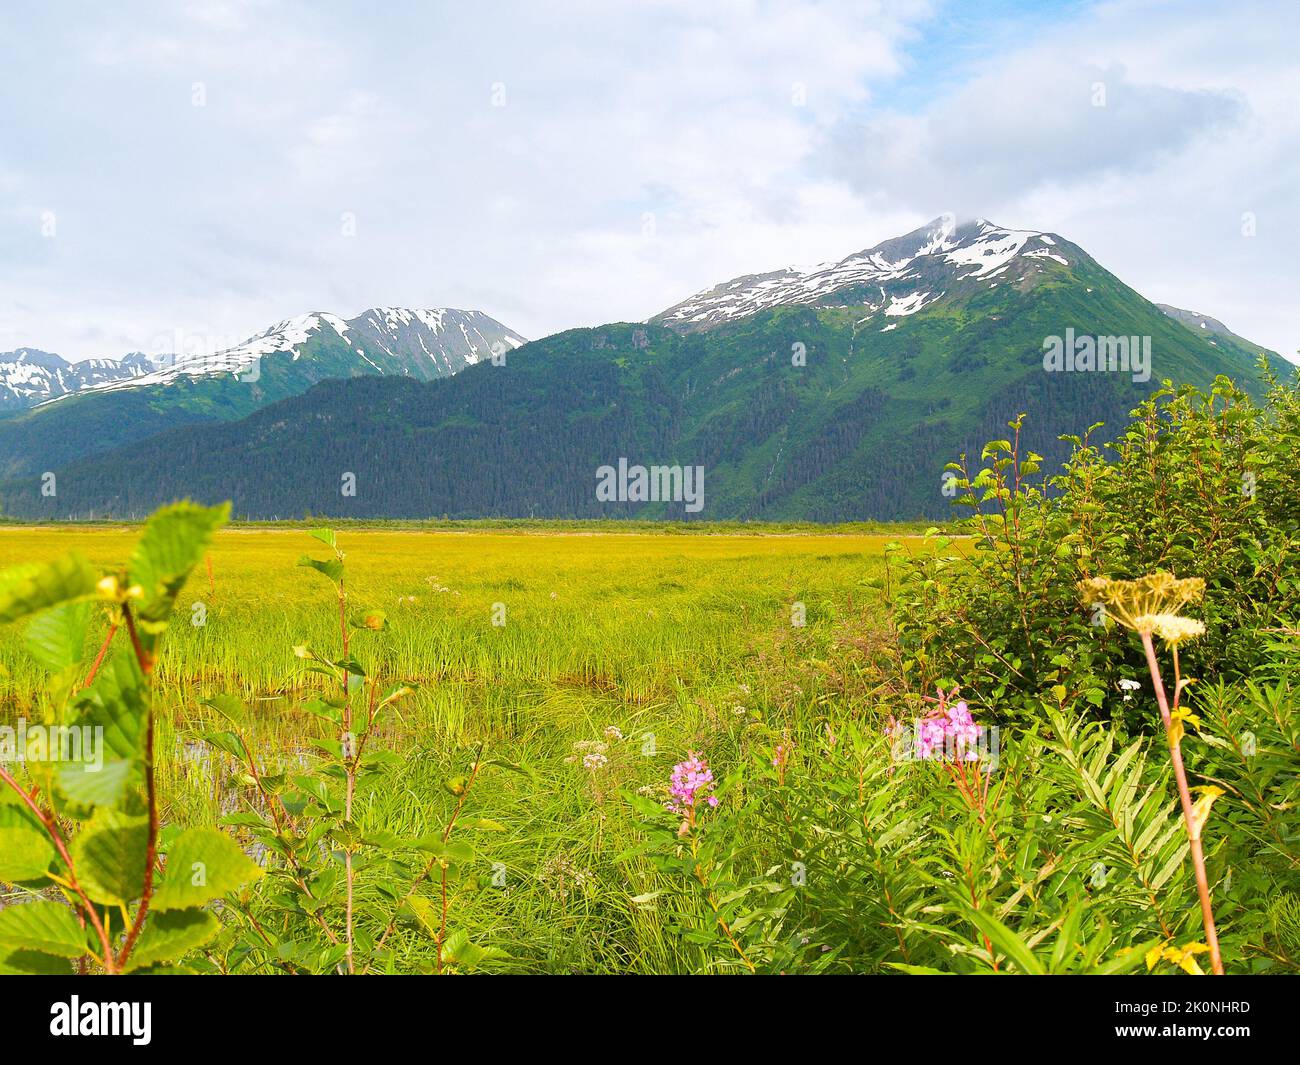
<point>37,586</point>
<point>459,951</point>
<point>1007,942</point>
<point>203,864</point>
<point>173,542</point>
<point>230,707</point>
<point>56,638</point>
<point>25,854</point>
<point>333,568</point>
<point>429,915</point>
<point>455,851</point>
<point>87,786</point>
<point>117,702</point>
<point>42,926</point>
<point>171,935</point>
<point>33,963</point>
<point>109,855</point>
<point>325,536</point>
<point>228,742</point>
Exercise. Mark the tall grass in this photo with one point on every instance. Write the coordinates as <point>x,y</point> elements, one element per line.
<point>689,640</point>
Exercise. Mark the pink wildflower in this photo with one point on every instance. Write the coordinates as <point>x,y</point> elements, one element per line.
<point>949,731</point>
<point>690,786</point>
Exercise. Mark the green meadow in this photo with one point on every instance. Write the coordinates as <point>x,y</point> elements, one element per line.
<point>526,642</point>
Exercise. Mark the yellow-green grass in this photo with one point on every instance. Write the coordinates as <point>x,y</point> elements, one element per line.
<point>690,641</point>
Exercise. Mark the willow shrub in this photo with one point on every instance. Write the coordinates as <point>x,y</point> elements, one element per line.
<point>1201,484</point>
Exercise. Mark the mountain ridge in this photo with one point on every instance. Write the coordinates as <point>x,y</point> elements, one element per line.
<point>283,360</point>
<point>824,407</point>
<point>897,276</point>
<point>30,376</point>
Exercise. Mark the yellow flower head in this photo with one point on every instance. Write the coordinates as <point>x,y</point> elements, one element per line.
<point>1150,604</point>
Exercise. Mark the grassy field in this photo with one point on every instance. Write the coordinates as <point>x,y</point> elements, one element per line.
<point>681,643</point>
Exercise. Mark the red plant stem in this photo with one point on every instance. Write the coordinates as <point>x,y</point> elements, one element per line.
<point>141,655</point>
<point>99,658</point>
<point>52,828</point>
<point>349,741</point>
<point>151,848</point>
<point>1185,797</point>
<point>343,630</point>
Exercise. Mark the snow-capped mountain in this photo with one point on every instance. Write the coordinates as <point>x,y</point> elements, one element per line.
<point>897,277</point>
<point>54,412</point>
<point>29,376</point>
<point>383,340</point>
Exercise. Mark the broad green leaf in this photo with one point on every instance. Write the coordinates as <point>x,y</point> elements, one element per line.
<point>109,854</point>
<point>426,912</point>
<point>33,963</point>
<point>173,542</point>
<point>171,935</point>
<point>25,854</point>
<point>325,536</point>
<point>117,702</point>
<point>44,926</point>
<point>26,589</point>
<point>455,851</point>
<point>332,568</point>
<point>459,951</point>
<point>203,864</point>
<point>230,707</point>
<point>56,638</point>
<point>115,710</point>
<point>106,786</point>
<point>228,742</point>
<point>14,813</point>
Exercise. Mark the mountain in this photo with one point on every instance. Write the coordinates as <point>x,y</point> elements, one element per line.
<point>282,361</point>
<point>1196,322</point>
<point>897,277</point>
<point>832,393</point>
<point>29,376</point>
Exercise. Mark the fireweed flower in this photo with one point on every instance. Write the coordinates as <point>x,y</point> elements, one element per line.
<point>950,736</point>
<point>949,731</point>
<point>690,787</point>
<point>781,757</point>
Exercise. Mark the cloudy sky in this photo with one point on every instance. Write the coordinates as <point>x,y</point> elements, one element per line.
<point>184,174</point>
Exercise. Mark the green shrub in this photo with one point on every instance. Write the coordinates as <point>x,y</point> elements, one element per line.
<point>1201,484</point>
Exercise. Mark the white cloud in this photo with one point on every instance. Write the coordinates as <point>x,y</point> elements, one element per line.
<point>1198,128</point>
<point>748,132</point>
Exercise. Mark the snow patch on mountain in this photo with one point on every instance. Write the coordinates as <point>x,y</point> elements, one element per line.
<point>907,271</point>
<point>29,376</point>
<point>426,343</point>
